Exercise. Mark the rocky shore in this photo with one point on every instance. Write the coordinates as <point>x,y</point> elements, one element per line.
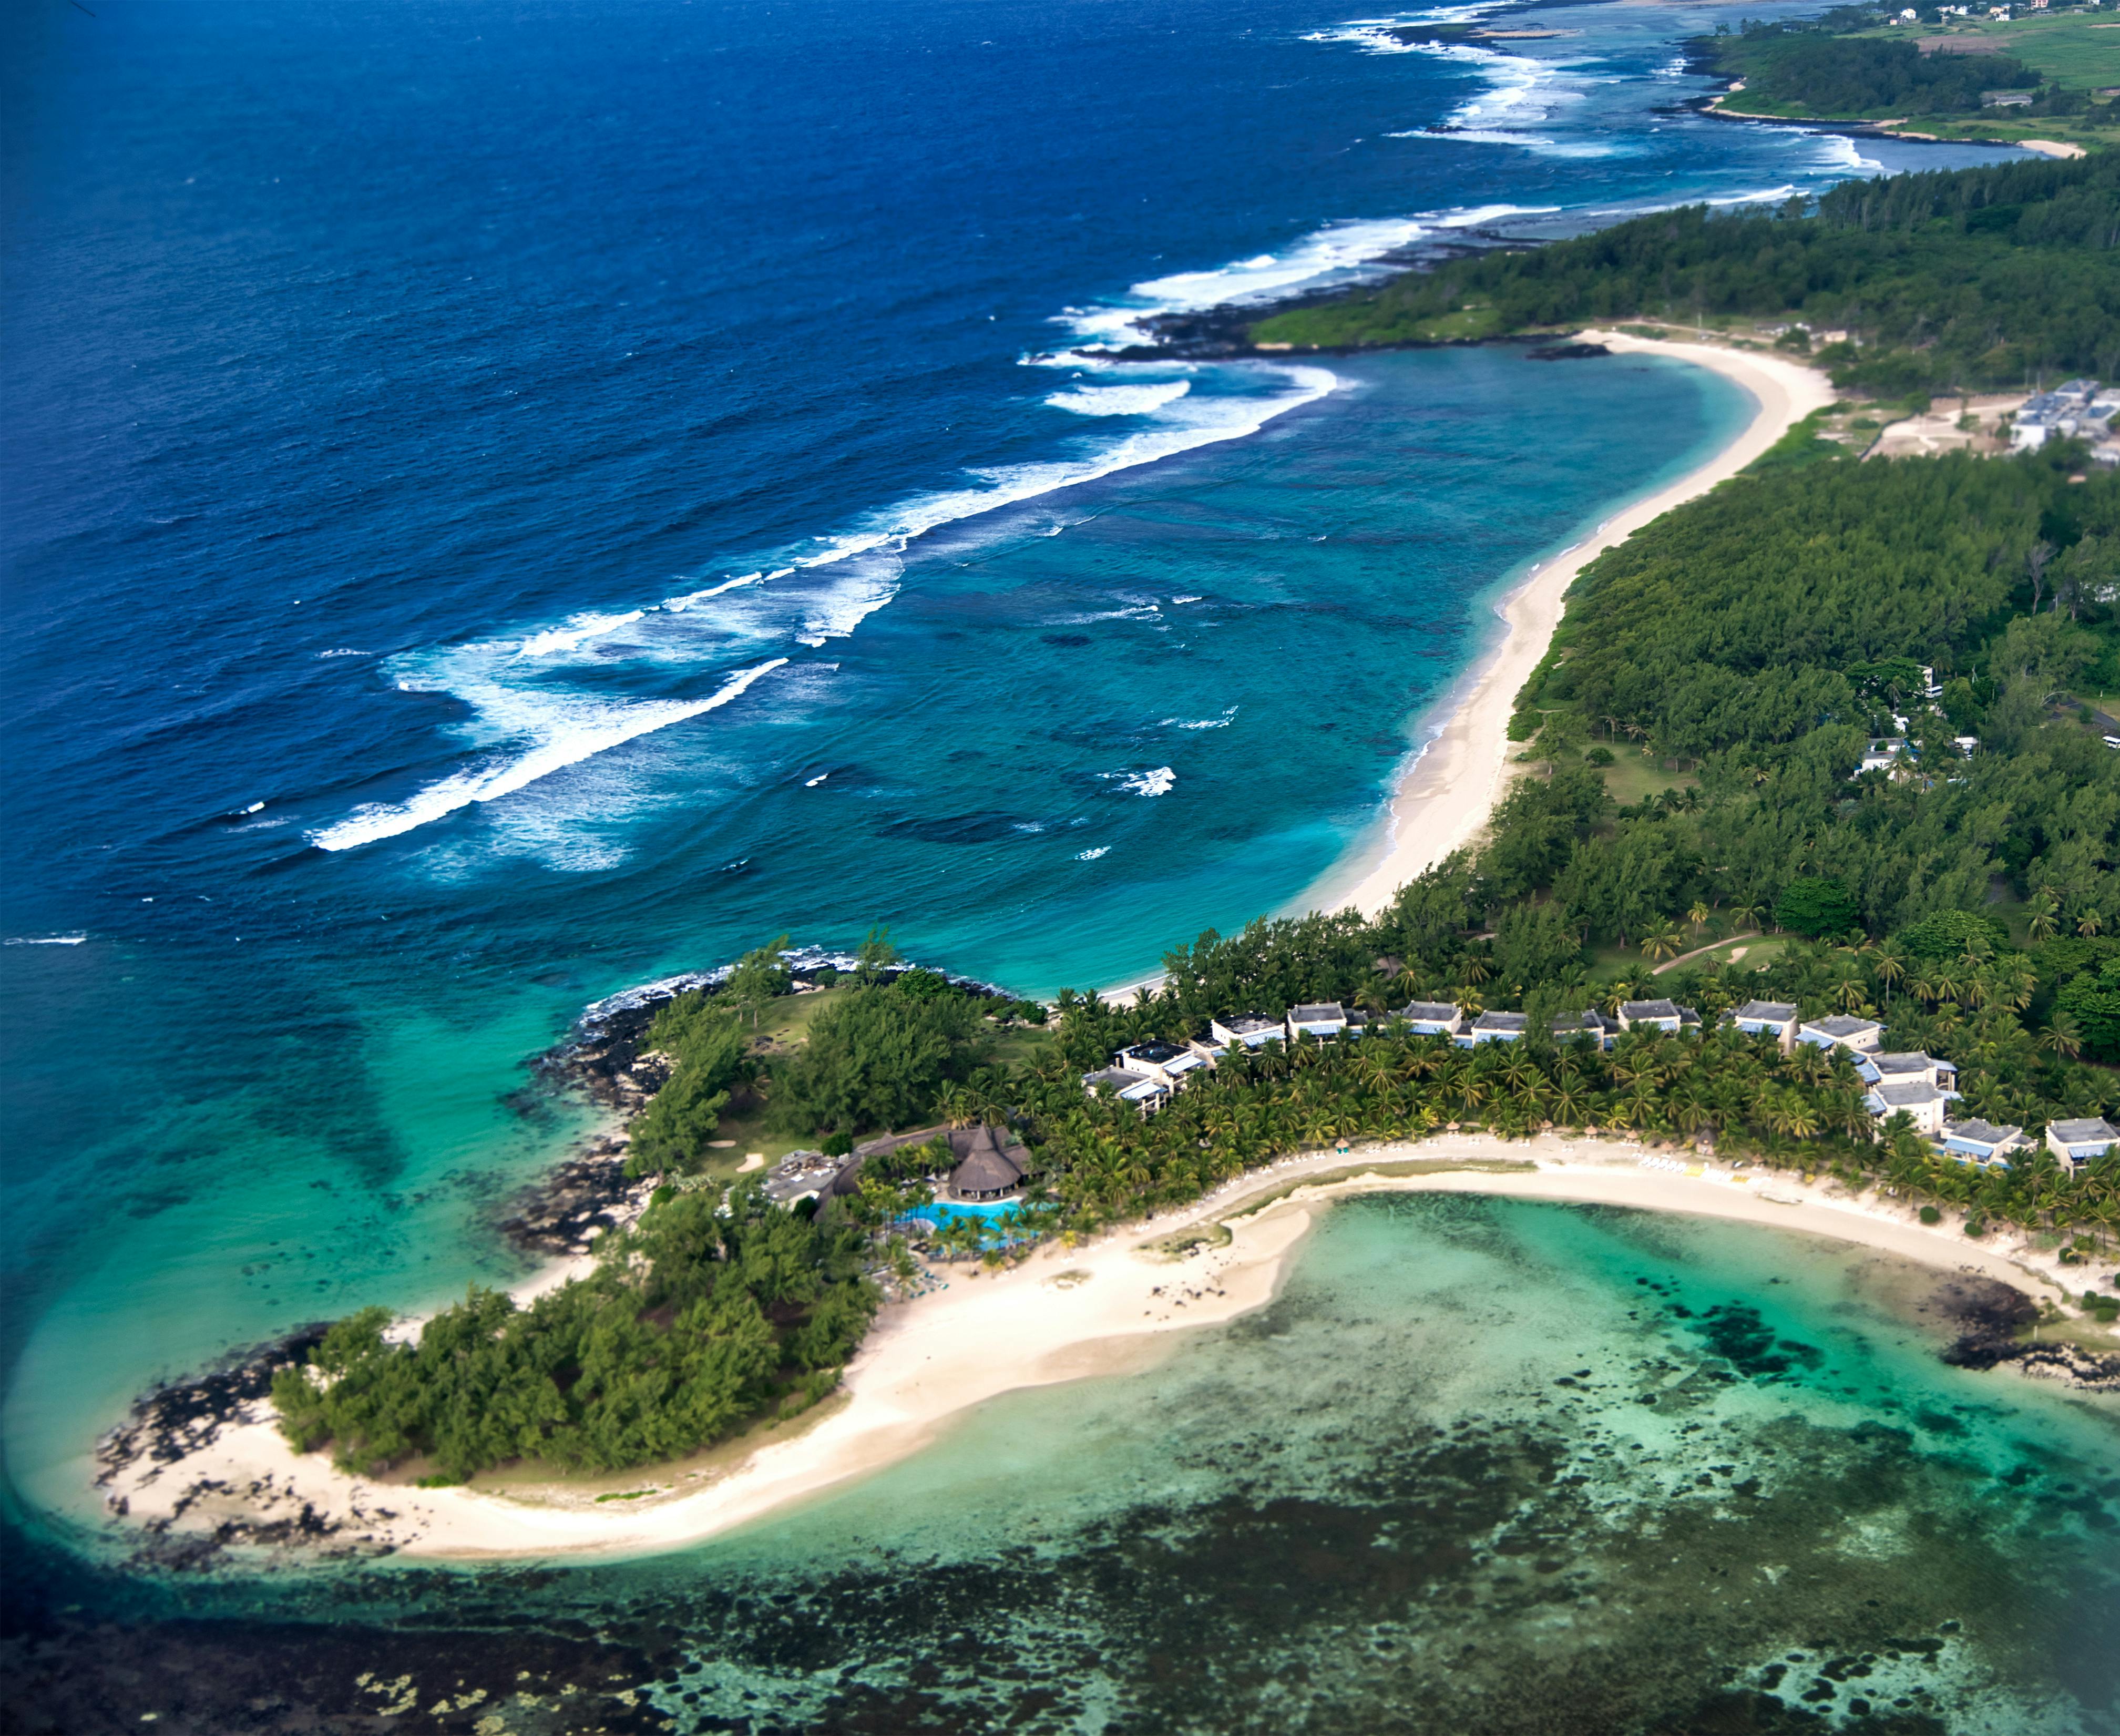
<point>1990,1316</point>
<point>172,1426</point>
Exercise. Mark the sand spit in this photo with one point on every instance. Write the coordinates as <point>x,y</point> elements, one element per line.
<point>1110,1307</point>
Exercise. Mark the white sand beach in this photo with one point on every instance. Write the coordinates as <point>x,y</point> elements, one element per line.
<point>1108,1308</point>
<point>1445,795</point>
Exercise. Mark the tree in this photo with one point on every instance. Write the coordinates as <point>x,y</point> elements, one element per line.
<point>876,954</point>
<point>1816,906</point>
<point>761,976</point>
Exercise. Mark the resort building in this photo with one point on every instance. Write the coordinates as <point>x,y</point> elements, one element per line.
<point>1494,1027</point>
<point>800,1176</point>
<point>1982,1142</point>
<point>2071,409</point>
<point>1666,1016</point>
<point>1319,1019</point>
<point>1433,1018</point>
<point>1917,1098</point>
<point>1164,1061</point>
<point>1899,1069</point>
<point>1590,1023</point>
<point>2079,1142</point>
<point>1145,1093</point>
<point>1842,1031</point>
<point>1775,1019</point>
<point>990,1167</point>
<point>1883,754</point>
<point>1248,1030</point>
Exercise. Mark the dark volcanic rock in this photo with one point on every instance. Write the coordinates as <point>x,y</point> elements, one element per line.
<point>1566,352</point>
<point>584,1197</point>
<point>1990,1314</point>
<point>174,1421</point>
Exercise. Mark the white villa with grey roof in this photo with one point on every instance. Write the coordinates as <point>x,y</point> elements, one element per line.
<point>1898,1069</point>
<point>1914,1096</point>
<point>1247,1031</point>
<point>1433,1018</point>
<point>2073,1143</point>
<point>1777,1019</point>
<point>1982,1142</point>
<point>1843,1031</point>
<point>1494,1027</point>
<point>1319,1019</point>
<point>1164,1061</point>
<point>1664,1015</point>
<point>1597,1026</point>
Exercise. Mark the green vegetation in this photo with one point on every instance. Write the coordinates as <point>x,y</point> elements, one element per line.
<point>2078,51</point>
<point>1967,279</point>
<point>1798,70</point>
<point>877,1057</point>
<point>1758,636</point>
<point>711,1047</point>
<point>1860,64</point>
<point>702,1318</point>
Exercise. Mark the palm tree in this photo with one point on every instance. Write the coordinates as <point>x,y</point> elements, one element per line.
<point>2089,923</point>
<point>2063,1037</point>
<point>1889,962</point>
<point>2044,908</point>
<point>1664,942</point>
<point>1698,914</point>
<point>1849,990</point>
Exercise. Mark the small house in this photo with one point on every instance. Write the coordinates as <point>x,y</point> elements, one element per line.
<point>1898,1069</point>
<point>1319,1019</point>
<point>1775,1019</point>
<point>1164,1061</point>
<point>2079,1142</point>
<point>1597,1026</point>
<point>1982,1142</point>
<point>1666,1016</point>
<point>1433,1018</point>
<point>1494,1027</point>
<point>1915,1097</point>
<point>1145,1093</point>
<point>1247,1031</point>
<point>1842,1031</point>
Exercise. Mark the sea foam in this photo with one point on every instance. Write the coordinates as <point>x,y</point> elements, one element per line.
<point>565,729</point>
<point>1120,400</point>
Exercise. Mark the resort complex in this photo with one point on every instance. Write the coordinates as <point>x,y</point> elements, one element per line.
<point>1910,1091</point>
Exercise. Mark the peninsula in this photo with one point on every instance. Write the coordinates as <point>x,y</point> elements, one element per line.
<point>1796,909</point>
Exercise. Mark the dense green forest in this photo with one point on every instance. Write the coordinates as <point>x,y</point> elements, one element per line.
<point>1981,277</point>
<point>1803,67</point>
<point>710,1312</point>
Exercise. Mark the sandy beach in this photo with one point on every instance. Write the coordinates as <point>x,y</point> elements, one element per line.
<point>1445,794</point>
<point>1107,1308</point>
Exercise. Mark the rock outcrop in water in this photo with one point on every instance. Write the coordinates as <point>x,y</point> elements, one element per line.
<point>1989,1315</point>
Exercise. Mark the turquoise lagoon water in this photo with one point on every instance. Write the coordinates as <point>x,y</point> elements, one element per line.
<point>1263,622</point>
<point>465,468</point>
<point>1483,1466</point>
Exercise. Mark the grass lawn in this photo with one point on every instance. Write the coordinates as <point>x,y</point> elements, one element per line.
<point>1633,774</point>
<point>2081,52</point>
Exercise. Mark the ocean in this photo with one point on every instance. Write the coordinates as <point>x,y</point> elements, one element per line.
<point>508,501</point>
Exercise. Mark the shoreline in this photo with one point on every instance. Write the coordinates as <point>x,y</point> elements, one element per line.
<point>1115,1306</point>
<point>1445,790</point>
<point>1445,793</point>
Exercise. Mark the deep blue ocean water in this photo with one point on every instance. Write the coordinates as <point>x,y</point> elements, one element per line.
<point>503,501</point>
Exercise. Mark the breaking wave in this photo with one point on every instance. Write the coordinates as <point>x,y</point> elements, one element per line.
<point>563,729</point>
